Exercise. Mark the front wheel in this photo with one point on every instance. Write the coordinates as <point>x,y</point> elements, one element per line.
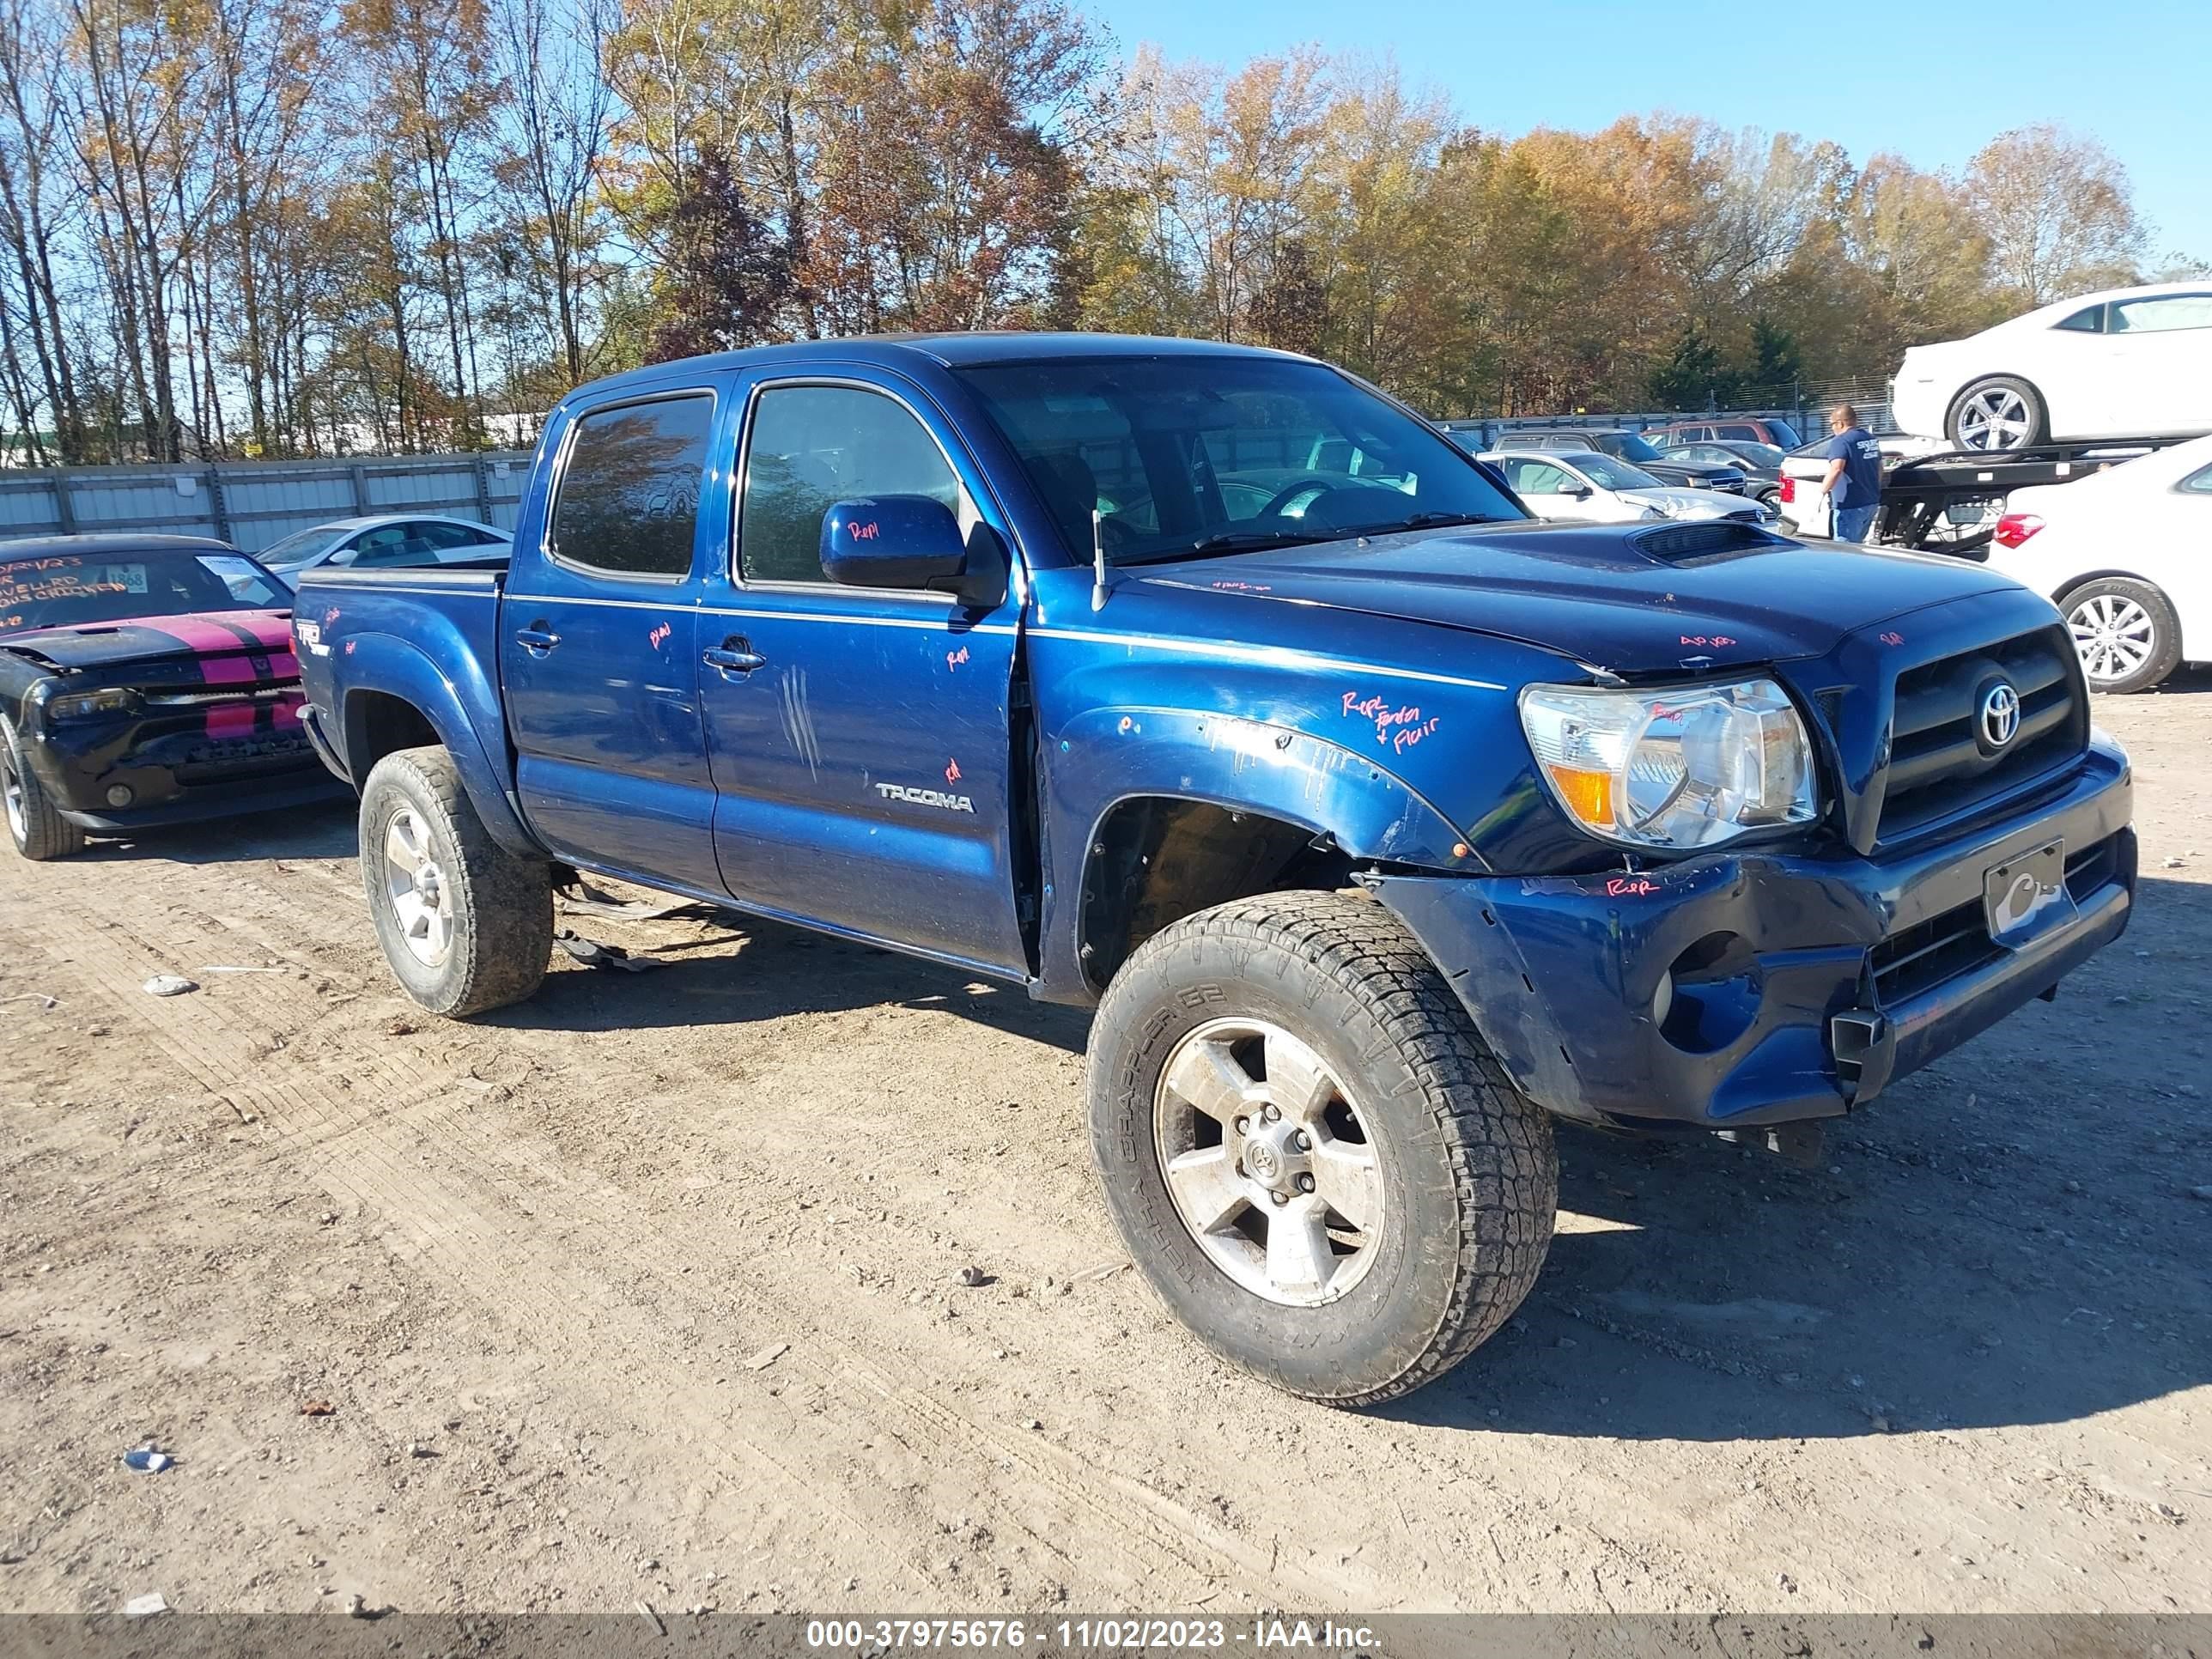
<point>466,924</point>
<point>38,831</point>
<point>2126,632</point>
<point>1310,1152</point>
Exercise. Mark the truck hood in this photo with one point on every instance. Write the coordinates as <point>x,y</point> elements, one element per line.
<point>1630,597</point>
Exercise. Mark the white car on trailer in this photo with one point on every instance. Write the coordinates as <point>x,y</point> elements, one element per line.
<point>2133,362</point>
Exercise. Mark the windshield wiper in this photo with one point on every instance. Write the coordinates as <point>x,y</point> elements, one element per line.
<point>1425,521</point>
<point>1233,541</point>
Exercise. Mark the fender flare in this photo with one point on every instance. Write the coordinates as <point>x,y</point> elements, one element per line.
<point>1109,756</point>
<point>386,665</point>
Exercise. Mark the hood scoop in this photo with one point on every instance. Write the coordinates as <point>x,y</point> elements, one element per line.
<point>1710,540</point>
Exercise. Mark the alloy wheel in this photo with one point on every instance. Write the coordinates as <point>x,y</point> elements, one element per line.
<point>417,884</point>
<point>1269,1162</point>
<point>2114,634</point>
<point>1996,417</point>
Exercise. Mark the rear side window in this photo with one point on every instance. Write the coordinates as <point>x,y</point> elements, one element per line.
<point>2199,481</point>
<point>628,500</point>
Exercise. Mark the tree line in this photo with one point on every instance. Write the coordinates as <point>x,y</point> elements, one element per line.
<point>279,227</point>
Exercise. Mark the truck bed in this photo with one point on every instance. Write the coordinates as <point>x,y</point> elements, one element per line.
<point>434,626</point>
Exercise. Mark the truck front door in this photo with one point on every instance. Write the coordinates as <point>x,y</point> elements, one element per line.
<point>862,740</point>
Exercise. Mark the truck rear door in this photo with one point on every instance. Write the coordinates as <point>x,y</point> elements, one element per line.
<point>599,663</point>
<point>862,739</point>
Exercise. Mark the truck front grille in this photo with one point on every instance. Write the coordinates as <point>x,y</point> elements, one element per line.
<point>1938,765</point>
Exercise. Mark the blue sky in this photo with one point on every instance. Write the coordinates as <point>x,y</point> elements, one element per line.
<point>1933,81</point>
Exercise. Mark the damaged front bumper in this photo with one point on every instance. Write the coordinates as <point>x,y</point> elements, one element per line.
<point>1747,988</point>
<point>114,778</point>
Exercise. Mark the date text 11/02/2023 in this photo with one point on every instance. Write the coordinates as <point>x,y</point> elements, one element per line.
<point>1085,1635</point>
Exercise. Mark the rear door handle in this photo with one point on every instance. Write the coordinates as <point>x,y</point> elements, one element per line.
<point>537,639</point>
<point>733,656</point>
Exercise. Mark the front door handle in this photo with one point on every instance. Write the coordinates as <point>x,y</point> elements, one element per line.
<point>733,656</point>
<point>536,639</point>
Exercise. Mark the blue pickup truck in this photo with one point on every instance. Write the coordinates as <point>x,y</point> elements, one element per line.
<point>1213,689</point>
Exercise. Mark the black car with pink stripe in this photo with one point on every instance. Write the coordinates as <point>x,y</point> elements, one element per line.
<point>144,680</point>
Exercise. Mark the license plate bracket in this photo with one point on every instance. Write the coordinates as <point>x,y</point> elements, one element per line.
<point>2024,895</point>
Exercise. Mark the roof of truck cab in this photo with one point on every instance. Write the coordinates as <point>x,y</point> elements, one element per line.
<point>953,351</point>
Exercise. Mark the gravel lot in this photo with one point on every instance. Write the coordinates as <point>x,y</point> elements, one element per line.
<point>649,1289</point>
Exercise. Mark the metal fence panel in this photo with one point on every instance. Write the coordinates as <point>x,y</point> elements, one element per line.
<point>256,503</point>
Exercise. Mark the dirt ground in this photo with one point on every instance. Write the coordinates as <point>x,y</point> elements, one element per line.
<point>649,1289</point>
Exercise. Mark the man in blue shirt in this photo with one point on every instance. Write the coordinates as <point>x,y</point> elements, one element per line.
<point>1853,485</point>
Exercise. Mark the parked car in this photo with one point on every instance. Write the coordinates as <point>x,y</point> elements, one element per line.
<point>1565,485</point>
<point>1629,447</point>
<point>1377,822</point>
<point>1760,462</point>
<point>2127,362</point>
<point>2124,554</point>
<point>1770,429</point>
<point>391,539</point>
<point>144,680</point>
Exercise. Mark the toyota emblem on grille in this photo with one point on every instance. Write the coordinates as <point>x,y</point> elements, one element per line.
<point>2000,715</point>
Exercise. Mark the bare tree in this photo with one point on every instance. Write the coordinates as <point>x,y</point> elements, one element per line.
<point>2058,211</point>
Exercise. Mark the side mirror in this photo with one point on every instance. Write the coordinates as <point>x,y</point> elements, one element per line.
<point>1580,492</point>
<point>892,541</point>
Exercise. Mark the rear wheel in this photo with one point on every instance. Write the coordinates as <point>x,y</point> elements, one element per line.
<point>1310,1152</point>
<point>2126,632</point>
<point>1998,413</point>
<point>38,831</point>
<point>466,924</point>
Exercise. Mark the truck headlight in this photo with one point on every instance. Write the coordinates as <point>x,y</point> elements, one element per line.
<point>1691,767</point>
<point>84,705</point>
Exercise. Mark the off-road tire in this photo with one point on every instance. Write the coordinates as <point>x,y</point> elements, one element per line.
<point>502,904</point>
<point>2165,631</point>
<point>38,831</point>
<point>1469,1172</point>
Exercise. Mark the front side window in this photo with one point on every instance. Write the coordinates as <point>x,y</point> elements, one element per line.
<point>1184,456</point>
<point>628,501</point>
<point>2161,316</point>
<point>2199,481</point>
<point>2090,320</point>
<point>814,446</point>
<point>386,545</point>
<point>1533,478</point>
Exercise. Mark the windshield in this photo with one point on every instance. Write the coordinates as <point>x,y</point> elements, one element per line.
<point>1184,456</point>
<point>1759,454</point>
<point>297,548</point>
<point>1612,474</point>
<point>70,589</point>
<point>1630,446</point>
<point>1784,434</point>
